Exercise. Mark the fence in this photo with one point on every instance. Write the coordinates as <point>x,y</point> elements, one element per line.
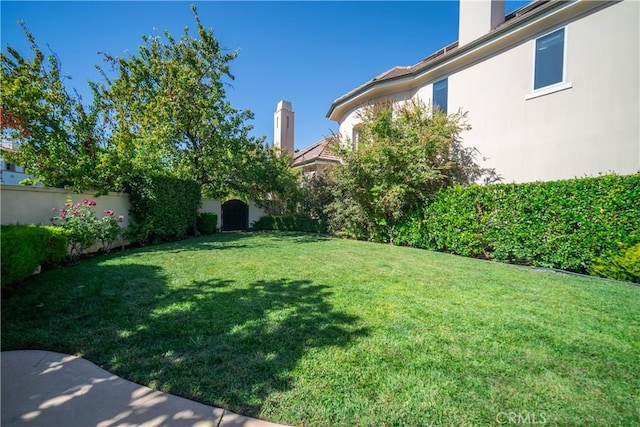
<point>32,205</point>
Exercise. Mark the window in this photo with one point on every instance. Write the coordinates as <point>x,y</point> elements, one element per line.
<point>549,59</point>
<point>11,167</point>
<point>287,122</point>
<point>440,94</point>
<point>356,135</point>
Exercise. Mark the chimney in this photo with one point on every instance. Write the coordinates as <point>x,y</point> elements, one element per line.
<point>283,128</point>
<point>477,18</point>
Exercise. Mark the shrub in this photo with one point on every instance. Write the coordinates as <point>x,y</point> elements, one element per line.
<point>290,223</point>
<point>108,229</point>
<point>562,224</point>
<point>57,246</point>
<point>162,207</point>
<point>25,247</point>
<point>207,222</point>
<point>623,266</point>
<point>84,229</point>
<point>406,153</point>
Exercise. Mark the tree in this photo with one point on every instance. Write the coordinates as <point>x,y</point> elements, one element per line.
<point>57,135</point>
<point>316,193</point>
<point>405,154</point>
<point>167,110</point>
<point>164,112</point>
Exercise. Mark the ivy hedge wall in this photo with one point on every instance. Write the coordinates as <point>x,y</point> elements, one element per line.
<point>570,224</point>
<point>162,207</point>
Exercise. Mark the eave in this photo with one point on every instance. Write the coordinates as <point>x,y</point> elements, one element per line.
<point>508,34</point>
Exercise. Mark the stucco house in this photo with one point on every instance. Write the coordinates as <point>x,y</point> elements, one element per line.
<point>10,173</point>
<point>551,90</point>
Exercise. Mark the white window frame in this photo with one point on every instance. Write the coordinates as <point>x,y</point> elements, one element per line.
<point>355,136</point>
<point>555,87</point>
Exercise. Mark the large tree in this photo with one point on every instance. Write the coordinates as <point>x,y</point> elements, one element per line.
<point>161,110</point>
<point>405,154</point>
<point>168,110</point>
<point>56,134</point>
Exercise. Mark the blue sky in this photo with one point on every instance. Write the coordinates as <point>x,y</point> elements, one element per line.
<point>309,53</point>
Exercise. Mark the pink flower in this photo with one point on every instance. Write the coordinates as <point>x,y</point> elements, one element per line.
<point>53,209</point>
<point>108,212</point>
<point>85,201</point>
<point>92,203</point>
<point>120,217</point>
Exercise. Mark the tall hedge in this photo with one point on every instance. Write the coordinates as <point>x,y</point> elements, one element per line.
<point>162,207</point>
<point>565,224</point>
<point>25,247</point>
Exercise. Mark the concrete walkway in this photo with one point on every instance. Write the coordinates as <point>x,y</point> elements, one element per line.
<point>42,388</point>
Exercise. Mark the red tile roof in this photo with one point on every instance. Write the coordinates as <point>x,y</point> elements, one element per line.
<point>319,151</point>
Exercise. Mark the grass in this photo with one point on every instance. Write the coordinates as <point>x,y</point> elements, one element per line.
<point>304,330</point>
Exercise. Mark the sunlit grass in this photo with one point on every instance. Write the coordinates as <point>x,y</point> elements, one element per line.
<point>305,330</point>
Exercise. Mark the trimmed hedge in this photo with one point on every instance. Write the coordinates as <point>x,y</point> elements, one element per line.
<point>25,247</point>
<point>622,266</point>
<point>207,222</point>
<point>290,223</point>
<point>562,224</point>
<point>162,207</point>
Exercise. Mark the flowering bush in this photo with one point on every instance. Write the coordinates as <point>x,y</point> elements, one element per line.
<point>84,229</point>
<point>109,229</point>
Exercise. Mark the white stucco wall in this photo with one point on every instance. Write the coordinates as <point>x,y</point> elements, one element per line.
<point>11,176</point>
<point>213,206</point>
<point>32,205</point>
<point>352,117</point>
<point>478,17</point>
<point>590,128</point>
<point>255,213</point>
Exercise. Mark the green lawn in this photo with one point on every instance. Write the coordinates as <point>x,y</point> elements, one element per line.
<point>305,330</point>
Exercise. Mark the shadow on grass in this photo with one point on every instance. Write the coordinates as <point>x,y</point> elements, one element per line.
<point>222,343</point>
<point>231,240</point>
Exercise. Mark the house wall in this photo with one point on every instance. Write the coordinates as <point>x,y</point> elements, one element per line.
<point>352,118</point>
<point>587,129</point>
<point>11,176</point>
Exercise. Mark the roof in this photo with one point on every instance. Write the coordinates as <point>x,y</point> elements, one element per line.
<point>7,149</point>
<point>317,152</point>
<point>8,145</point>
<point>446,52</point>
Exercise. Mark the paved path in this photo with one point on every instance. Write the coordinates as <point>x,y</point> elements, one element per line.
<point>42,388</point>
